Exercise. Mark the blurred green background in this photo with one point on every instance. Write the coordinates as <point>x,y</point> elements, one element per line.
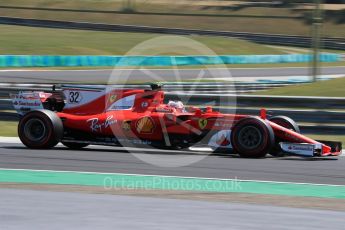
<point>279,17</point>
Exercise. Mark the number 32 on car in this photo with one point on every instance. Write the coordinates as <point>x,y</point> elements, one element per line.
<point>74,97</point>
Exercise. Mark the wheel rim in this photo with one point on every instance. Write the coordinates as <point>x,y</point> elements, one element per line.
<point>250,137</point>
<point>34,129</point>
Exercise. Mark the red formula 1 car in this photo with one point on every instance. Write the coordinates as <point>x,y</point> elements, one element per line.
<point>83,115</point>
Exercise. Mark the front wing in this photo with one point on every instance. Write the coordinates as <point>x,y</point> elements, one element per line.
<point>312,150</point>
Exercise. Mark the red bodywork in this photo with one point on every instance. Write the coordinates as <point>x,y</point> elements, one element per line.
<point>149,119</point>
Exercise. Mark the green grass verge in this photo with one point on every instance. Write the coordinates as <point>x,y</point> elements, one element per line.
<point>31,40</point>
<point>42,41</point>
<point>329,88</point>
<point>328,137</point>
<point>246,19</point>
<point>8,128</point>
<point>190,7</point>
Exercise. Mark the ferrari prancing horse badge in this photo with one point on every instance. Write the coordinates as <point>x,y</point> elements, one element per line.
<point>202,123</point>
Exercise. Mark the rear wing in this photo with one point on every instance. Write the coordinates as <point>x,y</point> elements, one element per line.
<point>24,102</point>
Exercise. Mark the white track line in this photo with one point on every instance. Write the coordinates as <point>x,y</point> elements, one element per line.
<point>10,140</point>
<point>165,176</point>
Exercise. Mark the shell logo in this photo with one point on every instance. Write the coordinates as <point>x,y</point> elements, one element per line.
<point>145,125</point>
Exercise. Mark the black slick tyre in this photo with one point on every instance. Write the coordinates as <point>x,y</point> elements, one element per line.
<point>252,137</point>
<point>285,122</point>
<point>40,129</point>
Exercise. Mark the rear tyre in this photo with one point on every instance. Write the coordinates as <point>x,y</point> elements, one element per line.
<point>40,129</point>
<point>285,122</point>
<point>252,138</point>
<point>73,145</point>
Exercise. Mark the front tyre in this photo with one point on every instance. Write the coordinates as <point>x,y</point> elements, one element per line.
<point>252,138</point>
<point>40,129</point>
<point>285,122</point>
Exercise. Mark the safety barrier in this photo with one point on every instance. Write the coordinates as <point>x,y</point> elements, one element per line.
<point>173,87</point>
<point>103,61</point>
<point>245,101</point>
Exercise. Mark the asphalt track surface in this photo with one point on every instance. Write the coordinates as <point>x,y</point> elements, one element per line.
<point>65,76</point>
<point>117,160</point>
<point>64,210</point>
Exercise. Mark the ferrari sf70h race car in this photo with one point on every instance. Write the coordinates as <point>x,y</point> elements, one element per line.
<point>78,116</point>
